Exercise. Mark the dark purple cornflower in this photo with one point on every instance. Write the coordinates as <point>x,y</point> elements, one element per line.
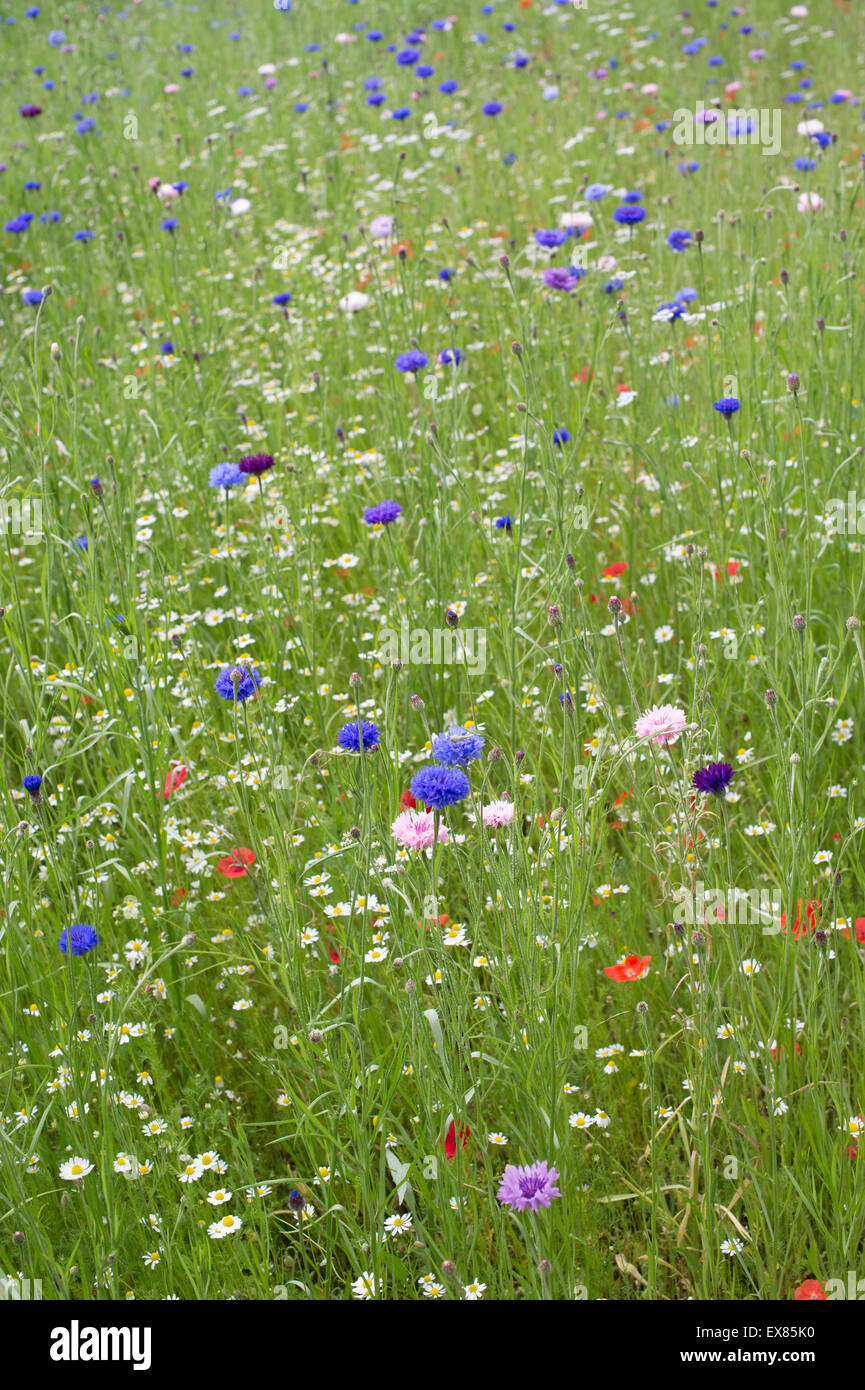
<point>382,514</point>
<point>30,110</point>
<point>713,779</point>
<point>256,464</point>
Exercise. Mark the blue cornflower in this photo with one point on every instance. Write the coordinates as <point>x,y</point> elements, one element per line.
<point>451,355</point>
<point>560,437</point>
<point>509,159</point>
<point>32,185</point>
<point>447,274</point>
<point>17,225</point>
<point>46,217</point>
<point>32,297</point>
<point>280,300</point>
<point>669,312</point>
<point>596,191</point>
<point>449,87</point>
<point>86,235</point>
<point>688,166</point>
<point>225,475</point>
<point>31,784</point>
<point>504,523</point>
<point>727,405</point>
<point>804,166</point>
<point>400,113</point>
<point>613,286</point>
<point>457,746</point>
<point>83,544</point>
<point>550,238</point>
<point>350,737</point>
<point>376,99</point>
<point>424,70</point>
<point>56,38</point>
<point>168,224</point>
<point>79,939</point>
<point>407,57</point>
<point>248,680</point>
<point>411,361</point>
<point>686,295</point>
<point>439,786</point>
<point>300,107</point>
<point>492,108</point>
<point>382,514</point>
<point>678,239</point>
<point>628,215</point>
<point>85,126</point>
<point>713,779</point>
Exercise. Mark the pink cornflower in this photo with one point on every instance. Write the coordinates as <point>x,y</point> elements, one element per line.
<point>415,830</point>
<point>498,813</point>
<point>661,723</point>
<point>529,1187</point>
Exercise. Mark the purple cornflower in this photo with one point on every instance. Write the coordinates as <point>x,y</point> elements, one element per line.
<point>457,747</point>
<point>439,786</point>
<point>559,277</point>
<point>247,679</point>
<point>727,405</point>
<point>713,779</point>
<point>30,110</point>
<point>382,514</point>
<point>79,939</point>
<point>411,361</point>
<point>256,464</point>
<point>529,1187</point>
<point>350,737</point>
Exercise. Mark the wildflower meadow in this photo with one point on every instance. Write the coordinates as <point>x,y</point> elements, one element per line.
<point>432,667</point>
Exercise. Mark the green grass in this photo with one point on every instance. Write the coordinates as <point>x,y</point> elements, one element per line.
<point>729,1095</point>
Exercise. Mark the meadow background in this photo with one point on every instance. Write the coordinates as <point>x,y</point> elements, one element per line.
<point>299,1072</point>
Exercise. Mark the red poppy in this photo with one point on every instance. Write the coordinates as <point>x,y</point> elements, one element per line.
<point>333,953</point>
<point>450,1139</point>
<point>616,568</point>
<point>811,1290</point>
<point>813,910</point>
<point>175,778</point>
<point>234,864</point>
<point>407,801</point>
<point>178,897</point>
<point>858,927</point>
<point>631,968</point>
